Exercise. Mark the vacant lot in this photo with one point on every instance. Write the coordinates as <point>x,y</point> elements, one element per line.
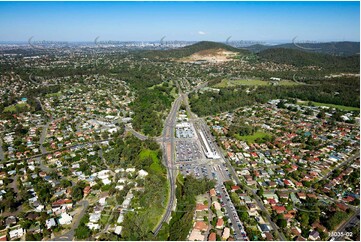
<point>212,56</point>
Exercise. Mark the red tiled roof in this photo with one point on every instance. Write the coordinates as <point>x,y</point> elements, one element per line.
<point>301,195</point>
<point>254,154</point>
<point>287,182</point>
<point>61,202</point>
<point>220,222</point>
<point>295,232</point>
<point>341,206</point>
<point>87,190</point>
<point>235,188</point>
<point>212,237</point>
<point>269,236</point>
<point>201,207</point>
<point>200,225</point>
<point>311,195</point>
<point>287,216</point>
<point>271,201</point>
<point>279,209</point>
<point>318,225</point>
<point>348,199</point>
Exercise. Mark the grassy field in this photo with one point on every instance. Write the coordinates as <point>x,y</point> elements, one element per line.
<point>233,83</point>
<point>252,82</point>
<point>162,209</point>
<point>148,153</point>
<point>174,92</point>
<point>12,108</point>
<point>288,83</point>
<point>155,166</point>
<point>156,212</point>
<point>55,94</point>
<point>252,138</point>
<point>341,107</point>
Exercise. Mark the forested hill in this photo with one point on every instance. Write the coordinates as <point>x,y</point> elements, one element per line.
<point>191,49</point>
<point>343,48</point>
<point>300,58</point>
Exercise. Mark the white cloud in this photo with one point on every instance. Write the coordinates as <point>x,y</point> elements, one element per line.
<point>201,33</point>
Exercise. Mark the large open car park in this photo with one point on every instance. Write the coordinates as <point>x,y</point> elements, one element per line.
<point>187,151</point>
<point>199,171</point>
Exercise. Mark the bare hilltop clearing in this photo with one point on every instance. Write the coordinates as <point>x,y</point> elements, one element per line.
<point>212,55</point>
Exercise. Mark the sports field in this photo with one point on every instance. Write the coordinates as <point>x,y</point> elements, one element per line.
<point>252,82</point>
<point>341,107</point>
<point>252,138</point>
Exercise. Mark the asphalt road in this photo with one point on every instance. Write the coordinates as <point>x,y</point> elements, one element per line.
<point>230,210</point>
<point>350,159</point>
<point>136,134</point>
<point>2,157</point>
<point>168,151</point>
<point>61,149</point>
<point>168,144</point>
<point>352,222</point>
<point>43,136</point>
<point>258,201</point>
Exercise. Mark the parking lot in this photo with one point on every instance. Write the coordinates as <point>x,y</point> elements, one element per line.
<point>231,213</point>
<point>186,151</point>
<point>199,171</point>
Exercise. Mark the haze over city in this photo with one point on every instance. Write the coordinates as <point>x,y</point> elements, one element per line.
<point>189,21</point>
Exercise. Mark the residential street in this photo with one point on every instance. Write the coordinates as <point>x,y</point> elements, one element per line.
<point>2,157</point>
<point>69,236</point>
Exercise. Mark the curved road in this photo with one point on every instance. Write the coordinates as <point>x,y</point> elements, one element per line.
<point>168,151</point>
<point>136,134</point>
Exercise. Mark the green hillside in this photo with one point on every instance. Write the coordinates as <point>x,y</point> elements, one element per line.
<point>344,48</point>
<point>300,58</point>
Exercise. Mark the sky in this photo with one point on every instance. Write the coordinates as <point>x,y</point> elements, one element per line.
<point>193,21</point>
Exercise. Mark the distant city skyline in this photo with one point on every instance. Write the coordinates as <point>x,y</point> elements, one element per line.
<point>275,22</point>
